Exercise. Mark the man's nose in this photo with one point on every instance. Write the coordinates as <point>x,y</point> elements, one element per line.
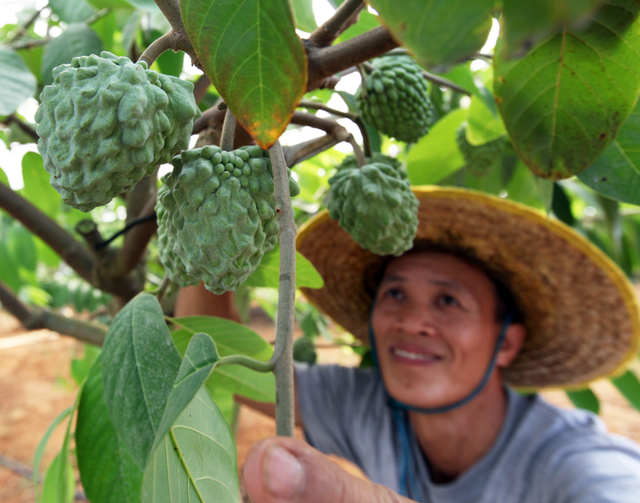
<point>417,322</point>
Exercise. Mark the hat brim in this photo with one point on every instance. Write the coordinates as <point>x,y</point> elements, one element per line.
<point>580,311</point>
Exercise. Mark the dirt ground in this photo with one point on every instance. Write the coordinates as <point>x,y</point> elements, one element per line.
<point>35,386</point>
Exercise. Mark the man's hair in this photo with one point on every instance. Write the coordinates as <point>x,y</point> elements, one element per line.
<point>505,301</point>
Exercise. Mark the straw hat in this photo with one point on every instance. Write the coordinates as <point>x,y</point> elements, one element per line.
<point>579,309</point>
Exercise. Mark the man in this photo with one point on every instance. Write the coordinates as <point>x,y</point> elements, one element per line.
<point>492,293</point>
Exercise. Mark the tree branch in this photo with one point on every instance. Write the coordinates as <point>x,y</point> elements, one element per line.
<point>171,10</point>
<point>345,16</point>
<point>228,131</point>
<point>26,128</point>
<point>200,89</point>
<point>308,149</point>
<point>34,318</point>
<point>23,29</point>
<point>28,44</point>
<point>167,41</point>
<point>327,61</point>
<point>283,352</point>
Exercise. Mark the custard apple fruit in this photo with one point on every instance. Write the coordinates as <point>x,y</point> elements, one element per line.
<point>216,216</point>
<point>105,123</point>
<point>375,204</point>
<point>304,350</point>
<point>479,159</point>
<point>394,99</point>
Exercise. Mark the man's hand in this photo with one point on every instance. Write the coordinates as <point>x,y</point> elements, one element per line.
<point>286,470</point>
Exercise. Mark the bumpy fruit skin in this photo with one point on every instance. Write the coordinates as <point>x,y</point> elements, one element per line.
<point>304,350</point>
<point>375,204</point>
<point>479,159</point>
<point>105,123</point>
<point>395,99</point>
<point>216,216</point>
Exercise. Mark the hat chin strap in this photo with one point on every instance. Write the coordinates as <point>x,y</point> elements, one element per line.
<point>397,404</point>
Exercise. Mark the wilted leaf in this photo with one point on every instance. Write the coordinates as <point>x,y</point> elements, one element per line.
<point>254,58</point>
<point>564,103</point>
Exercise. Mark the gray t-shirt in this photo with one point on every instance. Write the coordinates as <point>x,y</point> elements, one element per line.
<point>542,455</point>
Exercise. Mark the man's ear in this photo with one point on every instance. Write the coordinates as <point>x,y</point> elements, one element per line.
<point>512,344</point>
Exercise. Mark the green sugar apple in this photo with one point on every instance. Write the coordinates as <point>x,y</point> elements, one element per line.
<point>216,216</point>
<point>304,350</point>
<point>479,159</point>
<point>105,123</point>
<point>375,204</point>
<point>394,99</point>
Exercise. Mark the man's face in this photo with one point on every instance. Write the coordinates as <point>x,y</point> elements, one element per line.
<point>435,328</point>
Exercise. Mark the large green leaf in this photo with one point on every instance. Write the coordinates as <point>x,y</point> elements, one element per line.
<point>616,174</point>
<point>244,382</point>
<point>629,386</point>
<point>438,32</point>
<point>437,155</point>
<point>22,247</point>
<point>76,40</point>
<point>37,188</point>
<point>197,364</point>
<point>254,58</point>
<point>9,270</point>
<point>16,81</point>
<point>525,23</point>
<point>483,125</point>
<point>196,461</point>
<point>107,470</point>
<point>564,103</point>
<point>140,364</point>
<point>303,11</point>
<point>585,399</point>
<point>268,272</point>
<point>71,11</point>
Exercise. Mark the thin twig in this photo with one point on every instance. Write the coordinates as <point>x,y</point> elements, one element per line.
<point>23,29</point>
<point>228,131</point>
<point>308,149</point>
<point>283,352</point>
<point>28,44</point>
<point>366,142</point>
<point>332,28</point>
<point>441,81</point>
<point>167,41</point>
<point>97,16</point>
<point>200,89</point>
<point>162,289</point>
<point>26,128</point>
<point>171,10</point>
<point>245,361</point>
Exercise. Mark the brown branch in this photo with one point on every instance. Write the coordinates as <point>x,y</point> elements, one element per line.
<point>228,131</point>
<point>200,89</point>
<point>26,128</point>
<point>37,318</point>
<point>344,16</point>
<point>47,229</point>
<point>308,149</point>
<point>29,44</point>
<point>167,41</point>
<point>23,29</point>
<point>327,61</point>
<point>181,41</point>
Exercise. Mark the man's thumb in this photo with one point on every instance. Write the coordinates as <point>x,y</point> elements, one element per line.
<point>279,470</point>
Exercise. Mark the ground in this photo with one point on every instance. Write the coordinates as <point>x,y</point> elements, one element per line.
<point>35,386</point>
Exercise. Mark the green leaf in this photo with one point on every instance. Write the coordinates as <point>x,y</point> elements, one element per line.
<point>33,59</point>
<point>244,382</point>
<point>146,6</point>
<point>268,272</point>
<point>198,363</point>
<point>109,4</point>
<point>366,22</point>
<point>16,81</point>
<point>225,402</point>
<point>483,126</point>
<point>71,11</point>
<point>564,103</point>
<point>9,270</point>
<point>196,461</point>
<point>585,399</point>
<point>561,205</point>
<point>81,367</point>
<point>523,188</point>
<point>437,155</point>
<point>438,32</point>
<point>22,247</point>
<point>525,23</point>
<point>37,188</point>
<point>171,63</point>
<point>616,174</point>
<point>254,58</point>
<point>76,40</point>
<point>59,481</point>
<point>105,28</point>
<point>107,470</point>
<point>45,440</point>
<point>303,12</point>
<point>3,178</point>
<point>629,386</point>
<point>140,364</point>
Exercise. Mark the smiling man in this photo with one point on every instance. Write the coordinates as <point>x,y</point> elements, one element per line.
<point>492,296</point>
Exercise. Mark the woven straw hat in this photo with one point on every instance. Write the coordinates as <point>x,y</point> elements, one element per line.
<point>579,309</point>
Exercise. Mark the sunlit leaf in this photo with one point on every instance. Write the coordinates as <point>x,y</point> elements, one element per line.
<point>525,23</point>
<point>564,103</point>
<point>16,81</point>
<point>629,386</point>
<point>439,33</point>
<point>437,155</point>
<point>71,11</point>
<point>254,58</point>
<point>483,126</point>
<point>196,461</point>
<point>37,188</point>
<point>76,40</point>
<point>268,272</point>
<point>585,399</point>
<point>107,470</point>
<point>59,481</point>
<point>303,11</point>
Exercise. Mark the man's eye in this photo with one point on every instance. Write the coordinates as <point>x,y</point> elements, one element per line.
<point>394,293</point>
<point>447,300</point>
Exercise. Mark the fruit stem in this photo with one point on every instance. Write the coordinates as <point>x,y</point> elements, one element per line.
<point>283,351</point>
<point>228,131</point>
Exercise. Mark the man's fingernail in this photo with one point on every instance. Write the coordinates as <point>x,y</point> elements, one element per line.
<point>282,473</point>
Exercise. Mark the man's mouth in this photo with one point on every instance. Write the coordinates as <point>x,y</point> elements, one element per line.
<point>405,354</point>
